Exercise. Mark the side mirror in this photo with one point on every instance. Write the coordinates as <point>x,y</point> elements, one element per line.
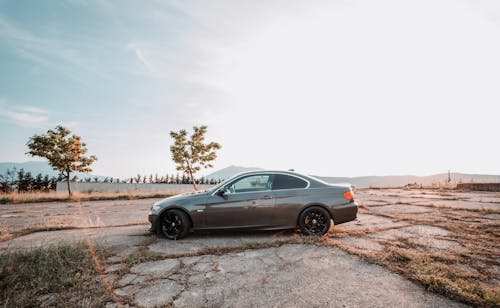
<point>222,192</point>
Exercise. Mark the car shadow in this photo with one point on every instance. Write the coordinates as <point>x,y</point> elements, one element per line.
<point>242,233</point>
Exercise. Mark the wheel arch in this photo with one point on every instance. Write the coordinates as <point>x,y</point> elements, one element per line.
<point>308,206</point>
<point>174,207</point>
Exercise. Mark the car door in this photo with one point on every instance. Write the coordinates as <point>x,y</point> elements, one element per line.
<point>248,203</point>
<point>288,192</point>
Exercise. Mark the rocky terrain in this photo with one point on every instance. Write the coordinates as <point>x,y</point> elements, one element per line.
<point>424,248</point>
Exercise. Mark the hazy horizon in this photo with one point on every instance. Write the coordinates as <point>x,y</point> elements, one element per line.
<point>351,88</point>
<point>209,171</point>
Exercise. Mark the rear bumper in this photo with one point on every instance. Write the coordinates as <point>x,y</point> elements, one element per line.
<point>345,213</point>
<point>153,219</point>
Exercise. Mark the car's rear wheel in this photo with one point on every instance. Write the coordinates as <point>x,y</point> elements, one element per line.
<point>174,224</point>
<point>314,220</point>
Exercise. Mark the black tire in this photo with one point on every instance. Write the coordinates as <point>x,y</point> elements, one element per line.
<point>174,224</point>
<point>314,220</point>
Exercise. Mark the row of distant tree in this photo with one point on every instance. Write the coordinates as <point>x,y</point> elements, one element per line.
<point>22,181</point>
<point>151,179</point>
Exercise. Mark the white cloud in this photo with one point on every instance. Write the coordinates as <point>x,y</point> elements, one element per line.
<point>26,116</point>
<point>33,109</point>
<point>31,116</point>
<point>141,57</point>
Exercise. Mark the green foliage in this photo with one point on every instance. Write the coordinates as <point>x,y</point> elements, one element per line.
<point>64,152</point>
<point>191,154</point>
<point>24,182</point>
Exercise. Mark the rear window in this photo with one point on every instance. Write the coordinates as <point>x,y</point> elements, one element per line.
<point>287,182</point>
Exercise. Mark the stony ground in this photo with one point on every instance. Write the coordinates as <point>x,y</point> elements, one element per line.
<point>404,243</point>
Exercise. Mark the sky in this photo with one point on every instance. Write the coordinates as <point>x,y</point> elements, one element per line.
<point>331,88</point>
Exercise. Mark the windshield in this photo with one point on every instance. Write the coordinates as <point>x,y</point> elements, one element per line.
<point>218,186</point>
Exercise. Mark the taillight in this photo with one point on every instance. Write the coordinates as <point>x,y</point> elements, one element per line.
<point>349,196</point>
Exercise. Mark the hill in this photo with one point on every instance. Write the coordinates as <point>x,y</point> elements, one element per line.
<point>401,180</point>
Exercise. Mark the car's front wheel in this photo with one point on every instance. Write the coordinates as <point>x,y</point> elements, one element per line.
<point>314,220</point>
<point>174,224</point>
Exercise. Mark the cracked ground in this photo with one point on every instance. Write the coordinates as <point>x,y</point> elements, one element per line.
<point>419,248</point>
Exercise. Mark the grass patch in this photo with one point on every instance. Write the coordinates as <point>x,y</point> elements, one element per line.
<point>6,235</point>
<point>82,196</point>
<point>60,276</point>
<point>439,276</point>
<point>36,229</point>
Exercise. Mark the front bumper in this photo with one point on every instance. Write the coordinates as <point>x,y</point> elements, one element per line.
<point>345,213</point>
<point>153,220</point>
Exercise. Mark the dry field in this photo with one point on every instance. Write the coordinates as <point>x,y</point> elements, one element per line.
<point>446,240</point>
<point>36,197</point>
<point>415,247</point>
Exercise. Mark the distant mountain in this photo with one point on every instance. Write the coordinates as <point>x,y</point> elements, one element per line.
<point>401,180</point>
<point>229,172</point>
<point>36,167</point>
<point>377,181</point>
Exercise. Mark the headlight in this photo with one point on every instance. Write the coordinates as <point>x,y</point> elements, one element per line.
<point>156,207</point>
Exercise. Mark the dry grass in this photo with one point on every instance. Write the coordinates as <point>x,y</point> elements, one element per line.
<point>467,274</point>
<point>6,235</point>
<point>82,196</point>
<point>56,276</point>
<point>438,272</point>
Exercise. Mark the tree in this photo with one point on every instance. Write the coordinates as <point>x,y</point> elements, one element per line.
<point>64,152</point>
<point>28,181</point>
<point>138,178</point>
<point>8,180</point>
<point>21,184</point>
<point>192,154</point>
<point>46,183</point>
<point>38,183</point>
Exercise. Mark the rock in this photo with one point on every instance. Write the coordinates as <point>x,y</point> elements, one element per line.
<point>193,299</point>
<point>114,268</point>
<point>162,293</point>
<point>162,268</point>
<point>114,259</point>
<point>127,290</point>
<point>131,279</point>
<point>363,243</point>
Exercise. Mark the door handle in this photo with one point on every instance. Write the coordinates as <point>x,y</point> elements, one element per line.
<point>267,197</point>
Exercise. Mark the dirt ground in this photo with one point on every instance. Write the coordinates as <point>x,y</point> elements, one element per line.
<point>419,248</point>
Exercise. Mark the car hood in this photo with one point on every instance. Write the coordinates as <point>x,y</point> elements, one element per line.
<point>182,197</point>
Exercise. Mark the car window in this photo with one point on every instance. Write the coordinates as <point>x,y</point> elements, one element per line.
<point>282,181</point>
<point>251,183</point>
